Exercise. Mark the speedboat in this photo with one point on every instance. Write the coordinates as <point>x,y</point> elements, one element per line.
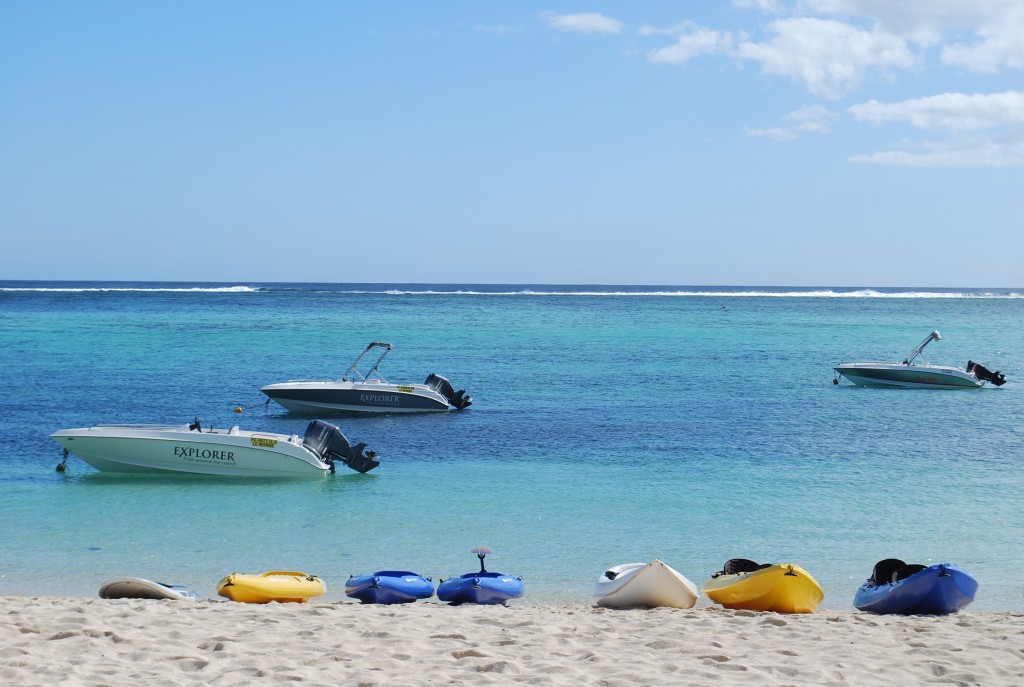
<point>481,587</point>
<point>917,373</point>
<point>646,585</point>
<point>389,587</point>
<point>370,392</point>
<point>896,587</point>
<point>195,449</point>
<point>783,587</point>
<point>283,586</point>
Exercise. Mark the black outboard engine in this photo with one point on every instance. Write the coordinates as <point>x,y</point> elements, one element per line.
<point>331,445</point>
<point>981,372</point>
<point>456,399</point>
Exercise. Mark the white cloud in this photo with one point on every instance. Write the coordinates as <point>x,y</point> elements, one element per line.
<point>948,111</point>
<point>831,58</point>
<point>500,29</point>
<point>814,118</point>
<point>777,133</point>
<point>809,119</point>
<point>695,42</point>
<point>986,129</point>
<point>766,6</point>
<point>994,27</point>
<point>586,22</point>
<point>833,46</point>
<point>967,153</point>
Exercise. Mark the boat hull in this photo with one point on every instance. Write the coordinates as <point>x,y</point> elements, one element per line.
<point>939,589</point>
<point>389,587</point>
<point>311,398</point>
<point>783,588</point>
<point>644,585</point>
<point>157,449</point>
<point>908,376</point>
<point>480,588</point>
<point>278,585</point>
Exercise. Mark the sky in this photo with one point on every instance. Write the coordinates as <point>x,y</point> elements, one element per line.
<point>752,142</point>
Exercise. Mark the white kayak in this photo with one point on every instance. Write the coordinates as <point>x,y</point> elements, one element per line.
<point>139,588</point>
<point>649,585</point>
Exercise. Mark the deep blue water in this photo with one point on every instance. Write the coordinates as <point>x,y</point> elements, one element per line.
<point>610,424</point>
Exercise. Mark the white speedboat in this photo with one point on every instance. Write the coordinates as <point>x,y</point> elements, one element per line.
<point>235,452</point>
<point>916,372</point>
<point>644,585</point>
<point>356,392</point>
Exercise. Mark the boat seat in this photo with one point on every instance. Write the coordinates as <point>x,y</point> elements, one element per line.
<point>742,565</point>
<point>906,571</point>
<point>885,569</point>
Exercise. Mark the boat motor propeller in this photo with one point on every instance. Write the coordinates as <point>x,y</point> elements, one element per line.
<point>328,442</point>
<point>981,372</point>
<point>456,399</point>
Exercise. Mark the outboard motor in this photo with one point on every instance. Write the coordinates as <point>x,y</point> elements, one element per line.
<point>981,372</point>
<point>327,441</point>
<point>456,399</point>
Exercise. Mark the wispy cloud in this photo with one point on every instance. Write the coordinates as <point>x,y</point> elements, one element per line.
<point>982,129</point>
<point>809,119</point>
<point>694,42</point>
<point>776,133</point>
<point>503,29</point>
<point>586,22</point>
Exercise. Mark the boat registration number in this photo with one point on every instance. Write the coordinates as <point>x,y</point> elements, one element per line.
<point>266,443</point>
<point>406,389</point>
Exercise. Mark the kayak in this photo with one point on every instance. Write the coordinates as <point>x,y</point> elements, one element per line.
<point>277,585</point>
<point>783,588</point>
<point>389,587</point>
<point>895,587</point>
<point>480,587</point>
<point>139,588</point>
<point>647,585</point>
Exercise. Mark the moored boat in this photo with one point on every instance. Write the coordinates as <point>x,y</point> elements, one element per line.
<point>206,451</point>
<point>389,587</point>
<point>481,587</point>
<point>898,588</point>
<point>783,588</point>
<point>648,585</point>
<point>919,374</point>
<point>277,585</point>
<point>368,393</point>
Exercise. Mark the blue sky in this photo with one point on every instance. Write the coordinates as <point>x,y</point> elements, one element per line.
<point>757,142</point>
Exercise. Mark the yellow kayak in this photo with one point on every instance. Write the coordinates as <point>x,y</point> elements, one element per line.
<point>278,585</point>
<point>783,588</point>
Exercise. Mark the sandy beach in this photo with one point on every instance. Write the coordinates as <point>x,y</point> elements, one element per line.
<point>80,641</point>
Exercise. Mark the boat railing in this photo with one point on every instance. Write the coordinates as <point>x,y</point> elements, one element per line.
<point>135,426</point>
<point>352,374</point>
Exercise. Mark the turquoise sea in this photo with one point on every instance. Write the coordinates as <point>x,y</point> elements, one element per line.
<point>610,425</point>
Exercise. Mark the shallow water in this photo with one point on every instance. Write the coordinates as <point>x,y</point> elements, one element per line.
<point>610,424</point>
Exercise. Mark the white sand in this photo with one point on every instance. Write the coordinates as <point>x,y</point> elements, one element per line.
<point>49,641</point>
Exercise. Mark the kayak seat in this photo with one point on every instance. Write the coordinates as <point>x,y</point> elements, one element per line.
<point>885,570</point>
<point>906,571</point>
<point>742,565</point>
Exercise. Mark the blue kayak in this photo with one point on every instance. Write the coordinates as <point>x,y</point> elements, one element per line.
<point>895,587</point>
<point>481,587</point>
<point>389,587</point>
